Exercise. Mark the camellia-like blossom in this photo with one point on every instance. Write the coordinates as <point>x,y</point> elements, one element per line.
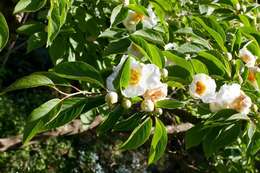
<point>247,57</point>
<point>143,77</point>
<point>231,97</point>
<point>134,18</point>
<point>203,87</point>
<point>157,93</point>
<point>252,77</point>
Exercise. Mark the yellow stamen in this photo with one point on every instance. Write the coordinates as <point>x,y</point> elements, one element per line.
<point>251,76</point>
<point>200,87</point>
<point>135,76</point>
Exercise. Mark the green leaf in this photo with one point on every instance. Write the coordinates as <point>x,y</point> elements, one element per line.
<point>199,67</point>
<point>220,137</point>
<point>169,104</point>
<point>79,71</point>
<point>179,61</point>
<point>29,5</point>
<point>194,136</point>
<point>126,74</point>
<point>217,37</point>
<point>119,13</point>
<point>117,46</point>
<point>139,136</point>
<point>111,120</point>
<point>4,32</point>
<point>31,28</point>
<point>150,51</point>
<point>150,35</point>
<point>214,65</point>
<point>39,117</point>
<point>71,108</point>
<point>31,81</point>
<point>129,123</point>
<point>138,9</point>
<point>36,40</point>
<point>159,142</point>
<point>57,17</point>
<point>43,110</point>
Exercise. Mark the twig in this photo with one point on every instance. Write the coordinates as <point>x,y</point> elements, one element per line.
<point>73,128</point>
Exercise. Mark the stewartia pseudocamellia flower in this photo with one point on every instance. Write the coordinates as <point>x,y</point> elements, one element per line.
<point>134,18</point>
<point>231,97</point>
<point>247,57</point>
<point>144,81</point>
<point>203,87</point>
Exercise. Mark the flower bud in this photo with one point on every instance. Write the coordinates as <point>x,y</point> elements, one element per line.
<point>126,103</point>
<point>147,106</point>
<point>229,56</point>
<point>164,73</point>
<point>111,98</point>
<point>255,108</point>
<point>159,111</point>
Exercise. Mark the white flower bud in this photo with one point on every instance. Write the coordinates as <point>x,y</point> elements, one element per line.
<point>229,56</point>
<point>126,103</point>
<point>164,73</point>
<point>111,98</point>
<point>147,106</point>
<point>255,108</point>
<point>238,7</point>
<point>159,111</point>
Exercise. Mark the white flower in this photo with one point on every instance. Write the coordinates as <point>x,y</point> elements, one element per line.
<point>134,18</point>
<point>111,98</point>
<point>227,94</point>
<point>231,97</point>
<point>147,106</point>
<point>170,46</point>
<point>157,93</point>
<point>111,78</point>
<point>143,77</point>
<point>203,87</point>
<point>252,77</point>
<point>242,103</point>
<point>247,57</point>
<point>151,20</point>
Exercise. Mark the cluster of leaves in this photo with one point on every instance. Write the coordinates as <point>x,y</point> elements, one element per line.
<point>83,47</point>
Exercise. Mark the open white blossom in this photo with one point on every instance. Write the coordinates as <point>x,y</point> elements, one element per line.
<point>227,94</point>
<point>157,93</point>
<point>231,97</point>
<point>242,103</point>
<point>252,77</point>
<point>247,57</point>
<point>143,77</point>
<point>151,20</point>
<point>203,87</point>
<point>134,18</point>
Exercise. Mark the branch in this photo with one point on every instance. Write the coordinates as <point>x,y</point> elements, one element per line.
<point>73,128</point>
